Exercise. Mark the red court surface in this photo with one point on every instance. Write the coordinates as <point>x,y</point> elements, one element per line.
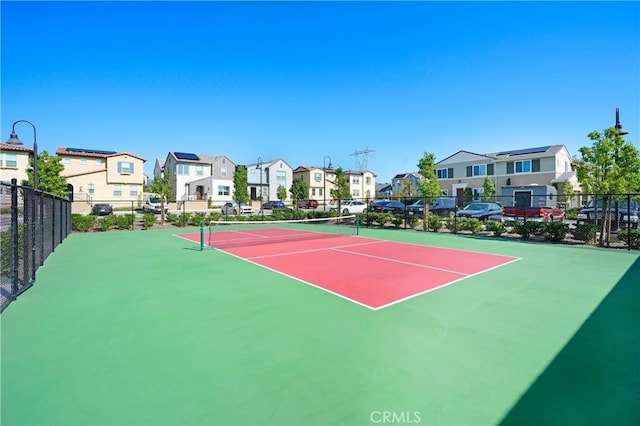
<point>373,273</point>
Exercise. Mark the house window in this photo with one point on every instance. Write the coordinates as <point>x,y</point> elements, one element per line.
<point>320,191</point>
<point>91,188</point>
<point>11,160</point>
<point>133,190</point>
<point>317,176</point>
<point>117,190</point>
<point>445,192</point>
<point>125,167</point>
<point>66,160</point>
<point>355,193</point>
<point>442,173</point>
<point>313,192</point>
<point>83,161</point>
<point>223,171</point>
<point>199,171</point>
<point>223,190</point>
<point>99,161</point>
<point>480,170</point>
<point>477,193</point>
<point>523,166</point>
<point>355,180</point>
<point>281,176</point>
<point>368,180</point>
<point>182,169</point>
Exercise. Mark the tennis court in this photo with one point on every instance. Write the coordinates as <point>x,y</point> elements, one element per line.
<point>143,328</point>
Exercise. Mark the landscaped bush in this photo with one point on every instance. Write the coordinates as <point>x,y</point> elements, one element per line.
<point>472,224</point>
<point>528,228</point>
<point>454,224</point>
<point>635,237</point>
<point>554,231</point>
<point>412,220</point>
<point>5,246</point>
<point>498,228</point>
<point>148,220</point>
<point>584,232</point>
<point>435,222</point>
<point>572,213</point>
<point>82,223</point>
<point>397,220</point>
<point>125,221</point>
<point>105,223</point>
<point>196,218</point>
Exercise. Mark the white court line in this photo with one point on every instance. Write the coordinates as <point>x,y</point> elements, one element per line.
<point>386,259</point>
<point>314,250</point>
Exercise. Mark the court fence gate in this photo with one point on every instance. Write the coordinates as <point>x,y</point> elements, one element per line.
<point>32,224</point>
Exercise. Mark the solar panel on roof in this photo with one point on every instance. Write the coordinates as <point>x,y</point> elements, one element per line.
<point>186,156</point>
<point>91,151</point>
<point>525,151</point>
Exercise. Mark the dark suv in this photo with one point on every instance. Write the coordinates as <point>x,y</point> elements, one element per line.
<point>625,214</point>
<point>442,206</point>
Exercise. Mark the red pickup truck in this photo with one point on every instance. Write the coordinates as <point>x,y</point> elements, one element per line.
<point>544,214</point>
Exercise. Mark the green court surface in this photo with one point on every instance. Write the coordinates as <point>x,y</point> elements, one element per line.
<point>143,328</point>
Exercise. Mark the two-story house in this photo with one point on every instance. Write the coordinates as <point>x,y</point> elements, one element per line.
<point>405,184</point>
<point>14,161</point>
<point>264,178</point>
<point>102,176</point>
<point>362,184</point>
<point>201,176</point>
<point>545,165</point>
<point>319,183</point>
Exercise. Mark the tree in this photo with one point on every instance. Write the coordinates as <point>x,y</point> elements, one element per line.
<point>49,178</point>
<point>240,193</point>
<point>299,190</point>
<point>281,193</point>
<point>467,196</point>
<point>163,187</point>
<point>566,193</point>
<point>429,187</point>
<point>341,187</point>
<point>407,188</point>
<point>488,190</point>
<point>611,166</point>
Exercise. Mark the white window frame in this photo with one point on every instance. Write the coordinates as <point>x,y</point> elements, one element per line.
<point>480,169</point>
<point>522,164</point>
<point>442,173</point>
<point>117,190</point>
<point>224,190</point>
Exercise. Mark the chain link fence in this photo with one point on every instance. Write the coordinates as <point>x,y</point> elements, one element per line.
<point>32,224</point>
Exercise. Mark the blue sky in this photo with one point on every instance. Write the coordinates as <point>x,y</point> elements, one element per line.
<point>305,80</point>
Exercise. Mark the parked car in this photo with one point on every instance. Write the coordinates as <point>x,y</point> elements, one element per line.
<point>543,214</point>
<point>621,214</point>
<point>270,205</point>
<point>442,206</point>
<point>387,206</point>
<point>153,204</point>
<point>350,207</point>
<point>233,208</point>
<point>482,211</point>
<point>102,209</point>
<point>308,204</point>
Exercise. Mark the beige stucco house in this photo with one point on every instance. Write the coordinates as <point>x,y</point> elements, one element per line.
<point>102,176</point>
<point>14,161</point>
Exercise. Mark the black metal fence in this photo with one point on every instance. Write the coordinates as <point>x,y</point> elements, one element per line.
<point>32,224</point>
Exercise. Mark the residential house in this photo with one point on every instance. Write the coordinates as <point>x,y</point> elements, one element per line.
<point>319,180</point>
<point>203,177</point>
<point>264,178</point>
<point>158,168</point>
<point>405,184</point>
<point>362,184</point>
<point>102,176</point>
<point>384,190</point>
<point>545,165</point>
<point>14,161</point>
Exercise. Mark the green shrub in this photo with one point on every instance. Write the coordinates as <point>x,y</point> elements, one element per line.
<point>82,223</point>
<point>635,237</point>
<point>105,223</point>
<point>196,218</point>
<point>528,228</point>
<point>148,220</point>
<point>572,213</point>
<point>454,224</point>
<point>584,232</point>
<point>5,246</point>
<point>397,220</point>
<point>435,222</point>
<point>473,225</point>
<point>172,217</point>
<point>125,221</point>
<point>554,231</point>
<point>412,220</point>
<point>498,228</point>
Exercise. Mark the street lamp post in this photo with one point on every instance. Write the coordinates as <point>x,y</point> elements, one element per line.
<point>259,166</point>
<point>324,179</point>
<point>14,140</point>
<point>619,128</point>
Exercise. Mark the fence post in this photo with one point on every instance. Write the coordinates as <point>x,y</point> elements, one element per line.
<point>41,227</point>
<point>14,239</point>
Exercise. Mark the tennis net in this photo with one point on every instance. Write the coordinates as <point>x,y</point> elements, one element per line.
<point>228,234</point>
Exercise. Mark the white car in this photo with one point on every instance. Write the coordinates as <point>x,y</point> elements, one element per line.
<point>350,207</point>
<point>233,208</point>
